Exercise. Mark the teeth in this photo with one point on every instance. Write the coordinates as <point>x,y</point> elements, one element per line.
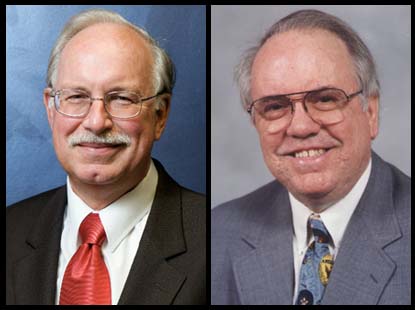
<point>309,153</point>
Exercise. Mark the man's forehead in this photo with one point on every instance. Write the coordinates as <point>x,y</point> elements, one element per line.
<point>301,60</point>
<point>105,51</point>
<point>107,32</point>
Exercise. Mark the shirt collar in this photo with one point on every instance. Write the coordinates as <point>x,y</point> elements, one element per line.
<point>335,218</point>
<point>118,218</point>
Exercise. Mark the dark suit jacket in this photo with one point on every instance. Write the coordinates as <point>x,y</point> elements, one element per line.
<point>169,268</point>
<point>252,254</point>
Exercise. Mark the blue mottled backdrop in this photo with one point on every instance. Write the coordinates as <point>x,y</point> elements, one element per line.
<point>31,31</point>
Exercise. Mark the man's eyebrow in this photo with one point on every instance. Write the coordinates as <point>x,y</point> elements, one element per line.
<point>81,88</point>
<point>304,91</point>
<point>324,87</point>
<point>119,88</point>
<point>112,89</point>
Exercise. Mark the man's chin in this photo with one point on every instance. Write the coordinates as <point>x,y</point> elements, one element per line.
<point>312,185</point>
<point>95,177</point>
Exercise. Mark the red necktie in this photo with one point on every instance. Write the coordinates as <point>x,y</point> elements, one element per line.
<point>86,280</point>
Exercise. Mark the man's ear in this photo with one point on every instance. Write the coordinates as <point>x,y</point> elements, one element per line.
<point>48,103</point>
<point>162,113</point>
<point>372,113</point>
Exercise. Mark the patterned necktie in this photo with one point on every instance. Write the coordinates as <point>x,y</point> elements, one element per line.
<point>86,280</point>
<point>316,266</point>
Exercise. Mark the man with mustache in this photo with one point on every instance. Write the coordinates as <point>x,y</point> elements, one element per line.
<point>121,231</point>
<point>334,227</point>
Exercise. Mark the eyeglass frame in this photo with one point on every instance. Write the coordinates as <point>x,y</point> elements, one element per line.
<point>53,93</point>
<point>348,97</point>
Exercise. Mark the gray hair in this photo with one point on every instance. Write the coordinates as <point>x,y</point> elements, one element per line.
<point>364,65</point>
<point>163,68</point>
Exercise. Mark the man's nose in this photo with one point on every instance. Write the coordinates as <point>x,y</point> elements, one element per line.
<point>301,125</point>
<point>98,119</point>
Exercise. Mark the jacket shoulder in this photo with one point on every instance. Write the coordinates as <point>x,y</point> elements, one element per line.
<point>232,214</point>
<point>401,197</point>
<point>230,222</point>
<point>190,197</point>
<point>399,185</point>
<point>28,222</point>
<point>31,207</point>
<point>194,213</point>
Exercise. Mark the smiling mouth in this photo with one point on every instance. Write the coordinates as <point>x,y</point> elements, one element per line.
<point>309,153</point>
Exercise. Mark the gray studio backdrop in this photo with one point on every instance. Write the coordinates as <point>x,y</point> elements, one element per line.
<point>31,164</point>
<point>237,164</point>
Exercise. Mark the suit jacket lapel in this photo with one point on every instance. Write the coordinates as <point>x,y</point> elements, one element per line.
<point>36,273</point>
<point>362,268</point>
<point>152,280</point>
<point>264,271</point>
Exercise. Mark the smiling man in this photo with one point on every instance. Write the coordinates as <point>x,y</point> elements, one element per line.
<point>121,231</point>
<point>334,228</point>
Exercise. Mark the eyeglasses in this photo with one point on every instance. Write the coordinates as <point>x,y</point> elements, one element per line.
<point>119,104</point>
<point>322,105</point>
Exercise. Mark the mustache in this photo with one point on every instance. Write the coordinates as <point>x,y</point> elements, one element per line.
<point>107,138</point>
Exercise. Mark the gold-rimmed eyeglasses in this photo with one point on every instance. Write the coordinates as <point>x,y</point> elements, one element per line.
<point>322,105</point>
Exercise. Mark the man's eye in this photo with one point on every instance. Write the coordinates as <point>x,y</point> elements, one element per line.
<point>122,99</point>
<point>327,99</point>
<point>76,97</point>
<point>273,107</point>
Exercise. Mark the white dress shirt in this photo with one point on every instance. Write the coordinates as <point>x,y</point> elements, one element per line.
<point>123,220</point>
<point>335,218</point>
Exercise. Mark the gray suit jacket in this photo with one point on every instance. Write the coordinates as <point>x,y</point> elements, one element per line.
<point>169,268</point>
<point>252,255</point>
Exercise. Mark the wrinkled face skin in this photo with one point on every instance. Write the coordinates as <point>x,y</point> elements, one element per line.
<point>297,61</point>
<point>100,59</point>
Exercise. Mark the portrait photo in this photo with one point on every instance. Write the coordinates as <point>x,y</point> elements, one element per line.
<point>311,155</point>
<point>106,154</point>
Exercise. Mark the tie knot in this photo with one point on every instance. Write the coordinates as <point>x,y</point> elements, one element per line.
<point>320,233</point>
<point>91,230</point>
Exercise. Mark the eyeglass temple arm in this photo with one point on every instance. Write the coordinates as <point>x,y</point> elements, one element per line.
<point>349,97</point>
<point>156,95</point>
